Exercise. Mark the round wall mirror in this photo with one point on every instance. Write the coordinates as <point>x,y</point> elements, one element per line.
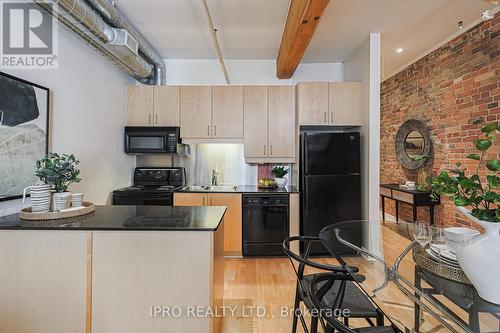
<point>413,140</point>
<point>414,144</point>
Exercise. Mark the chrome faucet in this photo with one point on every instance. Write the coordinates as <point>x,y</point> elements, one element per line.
<point>215,174</point>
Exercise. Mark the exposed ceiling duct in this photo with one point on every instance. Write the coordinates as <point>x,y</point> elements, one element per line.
<point>111,15</point>
<point>128,49</point>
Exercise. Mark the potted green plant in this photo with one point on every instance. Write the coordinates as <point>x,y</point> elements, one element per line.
<point>60,171</point>
<point>479,191</point>
<point>280,172</point>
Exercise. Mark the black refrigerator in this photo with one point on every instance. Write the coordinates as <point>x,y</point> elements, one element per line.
<point>330,183</point>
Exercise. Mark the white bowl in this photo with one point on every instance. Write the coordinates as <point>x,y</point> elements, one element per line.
<point>457,237</point>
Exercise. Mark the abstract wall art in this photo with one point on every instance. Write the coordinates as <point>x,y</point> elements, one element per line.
<point>24,133</point>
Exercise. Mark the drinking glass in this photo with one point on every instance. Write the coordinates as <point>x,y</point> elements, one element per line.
<point>422,233</point>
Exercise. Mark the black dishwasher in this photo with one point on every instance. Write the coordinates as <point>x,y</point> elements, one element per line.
<point>265,224</point>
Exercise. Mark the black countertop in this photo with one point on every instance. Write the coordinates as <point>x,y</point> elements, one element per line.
<point>256,189</point>
<point>162,218</point>
<point>248,189</point>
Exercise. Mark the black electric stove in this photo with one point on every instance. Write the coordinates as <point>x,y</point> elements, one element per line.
<point>153,186</point>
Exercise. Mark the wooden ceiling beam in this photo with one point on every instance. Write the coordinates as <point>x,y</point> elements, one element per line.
<point>301,22</point>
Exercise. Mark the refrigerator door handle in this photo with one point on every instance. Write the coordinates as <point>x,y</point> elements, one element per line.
<point>306,200</point>
<point>304,154</point>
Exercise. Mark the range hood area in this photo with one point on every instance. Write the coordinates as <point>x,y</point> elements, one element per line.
<point>100,24</point>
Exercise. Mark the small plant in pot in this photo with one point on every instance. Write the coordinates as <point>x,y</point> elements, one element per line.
<point>478,190</point>
<point>59,171</point>
<point>280,172</point>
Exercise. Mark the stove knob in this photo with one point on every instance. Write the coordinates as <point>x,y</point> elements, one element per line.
<point>158,175</point>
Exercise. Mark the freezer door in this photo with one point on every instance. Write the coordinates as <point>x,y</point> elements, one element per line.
<point>330,199</point>
<point>330,153</point>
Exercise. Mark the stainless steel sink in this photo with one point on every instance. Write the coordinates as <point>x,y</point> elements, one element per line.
<point>192,188</point>
<point>221,188</point>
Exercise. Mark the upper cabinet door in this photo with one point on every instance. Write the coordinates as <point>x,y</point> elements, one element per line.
<point>345,103</point>
<point>196,112</point>
<point>281,121</point>
<point>166,106</point>
<point>227,112</point>
<point>312,100</point>
<point>139,105</point>
<point>255,121</point>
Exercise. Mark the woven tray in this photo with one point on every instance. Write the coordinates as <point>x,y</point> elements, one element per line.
<point>26,213</point>
<point>423,260</point>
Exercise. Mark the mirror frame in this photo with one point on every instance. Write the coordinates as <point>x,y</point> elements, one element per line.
<point>406,128</point>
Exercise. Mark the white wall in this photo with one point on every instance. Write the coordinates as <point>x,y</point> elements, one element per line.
<point>245,72</point>
<point>87,117</point>
<point>364,65</point>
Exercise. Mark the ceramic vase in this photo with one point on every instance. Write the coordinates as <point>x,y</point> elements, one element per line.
<point>480,259</point>
<point>280,182</point>
<point>61,200</point>
<point>40,197</point>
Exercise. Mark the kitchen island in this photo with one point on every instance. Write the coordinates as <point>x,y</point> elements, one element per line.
<point>119,269</point>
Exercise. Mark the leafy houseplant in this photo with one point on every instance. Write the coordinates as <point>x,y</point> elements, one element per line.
<point>58,170</point>
<point>469,189</point>
<point>280,172</point>
<point>482,253</point>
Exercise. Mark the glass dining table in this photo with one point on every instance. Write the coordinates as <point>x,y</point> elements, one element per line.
<point>416,292</point>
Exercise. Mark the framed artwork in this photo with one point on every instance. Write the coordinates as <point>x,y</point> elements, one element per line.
<point>24,133</point>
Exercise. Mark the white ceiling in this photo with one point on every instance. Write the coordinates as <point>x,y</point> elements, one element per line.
<point>251,29</point>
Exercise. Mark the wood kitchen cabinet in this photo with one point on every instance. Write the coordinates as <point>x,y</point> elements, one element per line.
<point>212,112</point>
<point>333,104</point>
<point>44,281</point>
<point>232,219</point>
<point>345,103</point>
<point>227,112</point>
<point>270,128</point>
<point>152,105</point>
<point>190,199</point>
<point>166,104</point>
<point>281,122</point>
<point>196,112</point>
<point>312,101</point>
<point>255,121</point>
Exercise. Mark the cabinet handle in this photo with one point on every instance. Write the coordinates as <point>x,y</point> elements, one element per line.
<point>203,200</point>
<point>331,117</point>
<point>208,130</point>
<point>324,117</point>
<point>215,130</point>
<point>271,148</point>
<point>210,201</point>
<point>264,150</point>
<point>149,118</point>
<point>156,119</point>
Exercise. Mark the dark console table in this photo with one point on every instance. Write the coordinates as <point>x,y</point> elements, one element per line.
<point>411,197</point>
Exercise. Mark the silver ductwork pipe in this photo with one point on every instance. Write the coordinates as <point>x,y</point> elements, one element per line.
<point>114,43</point>
<point>111,15</point>
<point>94,42</point>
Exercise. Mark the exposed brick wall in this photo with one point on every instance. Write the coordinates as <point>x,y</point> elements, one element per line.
<point>447,89</point>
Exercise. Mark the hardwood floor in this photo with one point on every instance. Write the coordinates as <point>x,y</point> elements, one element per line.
<point>270,283</point>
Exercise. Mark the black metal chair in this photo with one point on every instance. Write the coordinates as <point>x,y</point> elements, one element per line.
<point>353,298</point>
<point>320,296</point>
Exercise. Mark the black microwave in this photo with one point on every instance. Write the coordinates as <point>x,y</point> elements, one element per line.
<point>144,140</point>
